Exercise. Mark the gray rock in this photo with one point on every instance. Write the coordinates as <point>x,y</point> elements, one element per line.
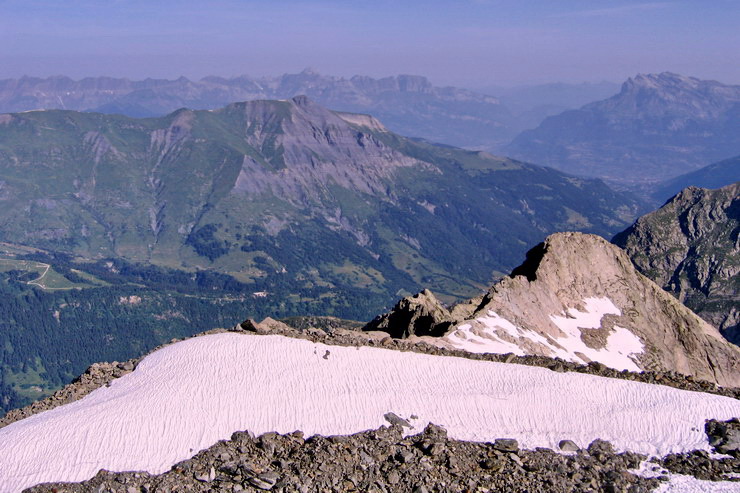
<point>568,446</point>
<point>394,419</point>
<point>421,314</point>
<point>264,481</point>
<point>506,445</point>
<point>724,436</point>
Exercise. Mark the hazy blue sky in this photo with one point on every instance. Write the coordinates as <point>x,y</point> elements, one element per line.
<point>463,42</point>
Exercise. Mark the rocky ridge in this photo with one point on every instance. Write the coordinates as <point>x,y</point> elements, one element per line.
<point>691,248</point>
<point>524,312</point>
<point>716,175</point>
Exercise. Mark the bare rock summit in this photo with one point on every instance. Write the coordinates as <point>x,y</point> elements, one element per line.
<point>579,298</point>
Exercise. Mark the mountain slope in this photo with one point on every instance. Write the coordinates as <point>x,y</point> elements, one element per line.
<point>658,126</point>
<point>690,247</point>
<point>410,105</point>
<point>188,395</point>
<point>250,189</point>
<point>579,298</point>
<point>715,175</point>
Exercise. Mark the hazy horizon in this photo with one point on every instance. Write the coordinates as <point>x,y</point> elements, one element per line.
<point>468,43</point>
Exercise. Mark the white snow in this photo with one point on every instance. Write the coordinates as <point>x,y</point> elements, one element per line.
<point>621,345</point>
<point>492,333</point>
<point>186,396</point>
<point>680,483</point>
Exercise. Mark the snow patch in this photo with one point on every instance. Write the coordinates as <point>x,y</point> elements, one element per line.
<point>186,396</point>
<point>492,333</point>
<point>622,346</point>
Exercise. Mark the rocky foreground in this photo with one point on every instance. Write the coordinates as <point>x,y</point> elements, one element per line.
<point>383,460</point>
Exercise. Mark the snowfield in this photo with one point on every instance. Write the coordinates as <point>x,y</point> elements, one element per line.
<point>492,333</point>
<point>186,396</point>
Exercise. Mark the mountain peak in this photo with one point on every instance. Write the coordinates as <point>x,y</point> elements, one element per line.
<point>657,127</point>
<point>579,298</point>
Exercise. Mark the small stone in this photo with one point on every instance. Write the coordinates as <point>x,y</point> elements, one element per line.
<point>600,447</point>
<point>394,419</point>
<point>203,477</point>
<point>393,477</point>
<point>516,459</point>
<point>437,449</point>
<point>265,481</point>
<point>405,456</point>
<point>506,445</point>
<point>492,465</point>
<point>568,446</point>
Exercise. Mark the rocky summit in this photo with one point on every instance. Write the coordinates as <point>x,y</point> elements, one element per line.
<point>690,247</point>
<point>657,127</point>
<point>579,298</point>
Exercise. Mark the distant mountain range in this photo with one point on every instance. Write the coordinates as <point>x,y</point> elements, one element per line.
<point>409,105</point>
<point>659,126</point>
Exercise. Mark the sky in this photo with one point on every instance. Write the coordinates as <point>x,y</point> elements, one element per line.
<point>469,43</point>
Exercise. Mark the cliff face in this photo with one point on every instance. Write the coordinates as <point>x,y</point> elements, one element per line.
<point>579,298</point>
<point>691,248</point>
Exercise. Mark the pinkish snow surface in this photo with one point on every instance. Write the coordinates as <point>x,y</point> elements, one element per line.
<point>185,397</point>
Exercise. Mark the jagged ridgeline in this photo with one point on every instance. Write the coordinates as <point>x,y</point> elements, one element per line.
<point>198,219</point>
<point>691,248</point>
<point>284,187</point>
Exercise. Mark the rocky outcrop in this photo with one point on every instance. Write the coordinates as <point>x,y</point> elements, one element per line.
<point>691,248</point>
<point>579,298</point>
<point>418,315</point>
<point>724,436</point>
